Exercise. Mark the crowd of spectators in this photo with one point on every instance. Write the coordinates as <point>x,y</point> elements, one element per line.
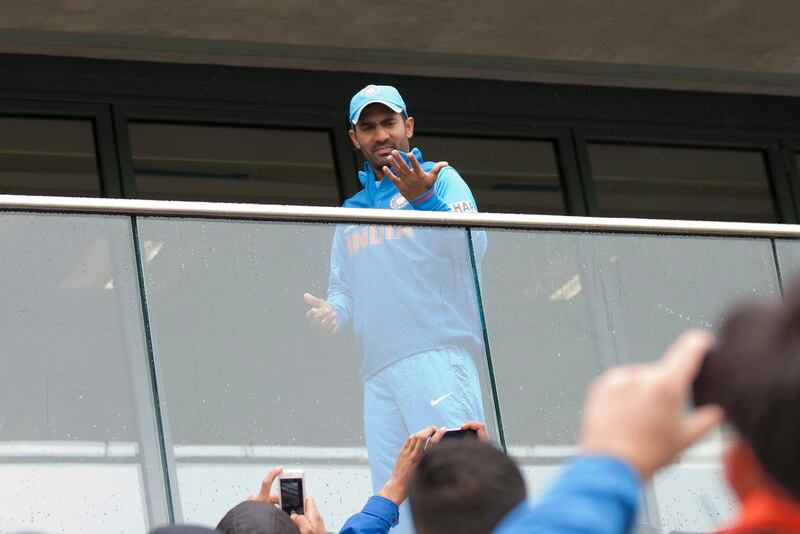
<point>635,421</point>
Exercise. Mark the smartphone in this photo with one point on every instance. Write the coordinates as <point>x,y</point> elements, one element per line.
<point>703,384</point>
<point>292,491</point>
<point>458,433</point>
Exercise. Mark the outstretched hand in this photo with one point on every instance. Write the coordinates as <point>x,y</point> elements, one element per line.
<point>635,412</point>
<point>321,315</point>
<point>414,181</point>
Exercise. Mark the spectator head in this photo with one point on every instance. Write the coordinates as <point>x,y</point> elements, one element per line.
<point>256,517</point>
<point>753,373</point>
<point>464,486</point>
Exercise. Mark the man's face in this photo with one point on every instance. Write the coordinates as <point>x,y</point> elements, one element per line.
<point>380,130</point>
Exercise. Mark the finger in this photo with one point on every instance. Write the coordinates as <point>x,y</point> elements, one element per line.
<point>683,358</point>
<point>274,499</point>
<point>700,422</point>
<point>311,300</point>
<point>415,164</point>
<point>311,511</point>
<point>266,484</point>
<point>389,174</point>
<point>301,522</point>
<point>394,163</point>
<point>480,428</point>
<point>438,435</point>
<point>401,162</point>
<point>438,167</point>
<point>425,433</point>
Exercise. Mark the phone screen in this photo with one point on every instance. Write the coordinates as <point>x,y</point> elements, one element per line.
<point>292,495</point>
<point>457,433</point>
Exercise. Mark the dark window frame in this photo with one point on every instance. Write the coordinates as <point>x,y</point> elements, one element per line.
<point>98,114</point>
<point>233,117</point>
<point>491,128</point>
<point>784,201</point>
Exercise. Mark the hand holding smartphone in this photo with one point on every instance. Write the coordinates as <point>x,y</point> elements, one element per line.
<point>292,488</point>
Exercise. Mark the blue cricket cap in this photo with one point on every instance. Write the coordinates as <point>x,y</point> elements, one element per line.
<point>381,94</point>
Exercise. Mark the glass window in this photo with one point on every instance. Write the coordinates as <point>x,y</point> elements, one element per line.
<point>681,183</point>
<point>505,175</point>
<point>48,157</point>
<point>248,384</point>
<point>562,307</point>
<point>216,163</point>
<point>77,419</point>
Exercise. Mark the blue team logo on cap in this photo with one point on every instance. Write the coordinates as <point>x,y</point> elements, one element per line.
<point>381,94</point>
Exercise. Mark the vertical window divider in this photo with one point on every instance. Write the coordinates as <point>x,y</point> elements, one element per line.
<point>167,459</point>
<point>486,345</point>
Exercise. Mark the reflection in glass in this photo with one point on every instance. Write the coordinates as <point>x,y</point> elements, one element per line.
<point>248,384</point>
<point>670,182</point>
<point>561,307</point>
<point>48,157</point>
<point>217,163</point>
<point>505,175</point>
<point>76,413</point>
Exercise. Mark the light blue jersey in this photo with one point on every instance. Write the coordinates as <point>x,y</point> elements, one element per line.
<point>405,289</point>
<point>408,294</point>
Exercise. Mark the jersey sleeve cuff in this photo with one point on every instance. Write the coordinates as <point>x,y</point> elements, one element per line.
<point>383,508</point>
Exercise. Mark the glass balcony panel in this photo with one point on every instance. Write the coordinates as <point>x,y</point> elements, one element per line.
<point>48,157</point>
<point>248,384</point>
<point>505,175</point>
<point>228,164</point>
<point>672,182</point>
<point>78,438</point>
<point>788,251</point>
<point>561,307</point>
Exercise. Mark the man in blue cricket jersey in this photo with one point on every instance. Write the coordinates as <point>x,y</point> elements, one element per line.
<point>407,293</point>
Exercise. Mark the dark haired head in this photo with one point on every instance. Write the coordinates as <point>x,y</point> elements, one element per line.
<point>255,517</point>
<point>464,486</point>
<point>754,374</point>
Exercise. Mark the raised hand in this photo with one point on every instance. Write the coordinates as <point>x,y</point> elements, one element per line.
<point>636,412</point>
<point>407,459</point>
<point>321,315</point>
<point>412,182</point>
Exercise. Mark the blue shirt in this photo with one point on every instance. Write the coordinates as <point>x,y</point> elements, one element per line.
<point>596,494</point>
<point>378,516</point>
<point>406,289</point>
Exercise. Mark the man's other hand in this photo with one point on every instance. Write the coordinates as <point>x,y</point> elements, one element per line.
<point>321,315</point>
<point>264,494</point>
<point>311,521</point>
<point>412,182</point>
<point>635,412</point>
<point>479,428</point>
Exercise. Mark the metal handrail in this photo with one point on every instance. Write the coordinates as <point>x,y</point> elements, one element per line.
<point>271,212</point>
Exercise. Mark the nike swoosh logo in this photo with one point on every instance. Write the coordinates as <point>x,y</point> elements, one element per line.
<point>440,399</point>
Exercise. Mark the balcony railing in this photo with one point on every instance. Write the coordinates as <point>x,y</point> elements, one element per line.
<point>157,360</point>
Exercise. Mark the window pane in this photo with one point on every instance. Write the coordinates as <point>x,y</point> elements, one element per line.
<point>562,307</point>
<point>217,163</point>
<point>48,157</point>
<point>248,384</point>
<point>681,183</point>
<point>76,412</point>
<point>505,175</point>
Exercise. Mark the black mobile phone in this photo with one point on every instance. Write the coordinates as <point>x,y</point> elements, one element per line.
<point>292,492</point>
<point>458,433</point>
<point>703,384</point>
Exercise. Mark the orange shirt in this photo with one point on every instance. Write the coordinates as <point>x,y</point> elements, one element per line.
<point>763,511</point>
